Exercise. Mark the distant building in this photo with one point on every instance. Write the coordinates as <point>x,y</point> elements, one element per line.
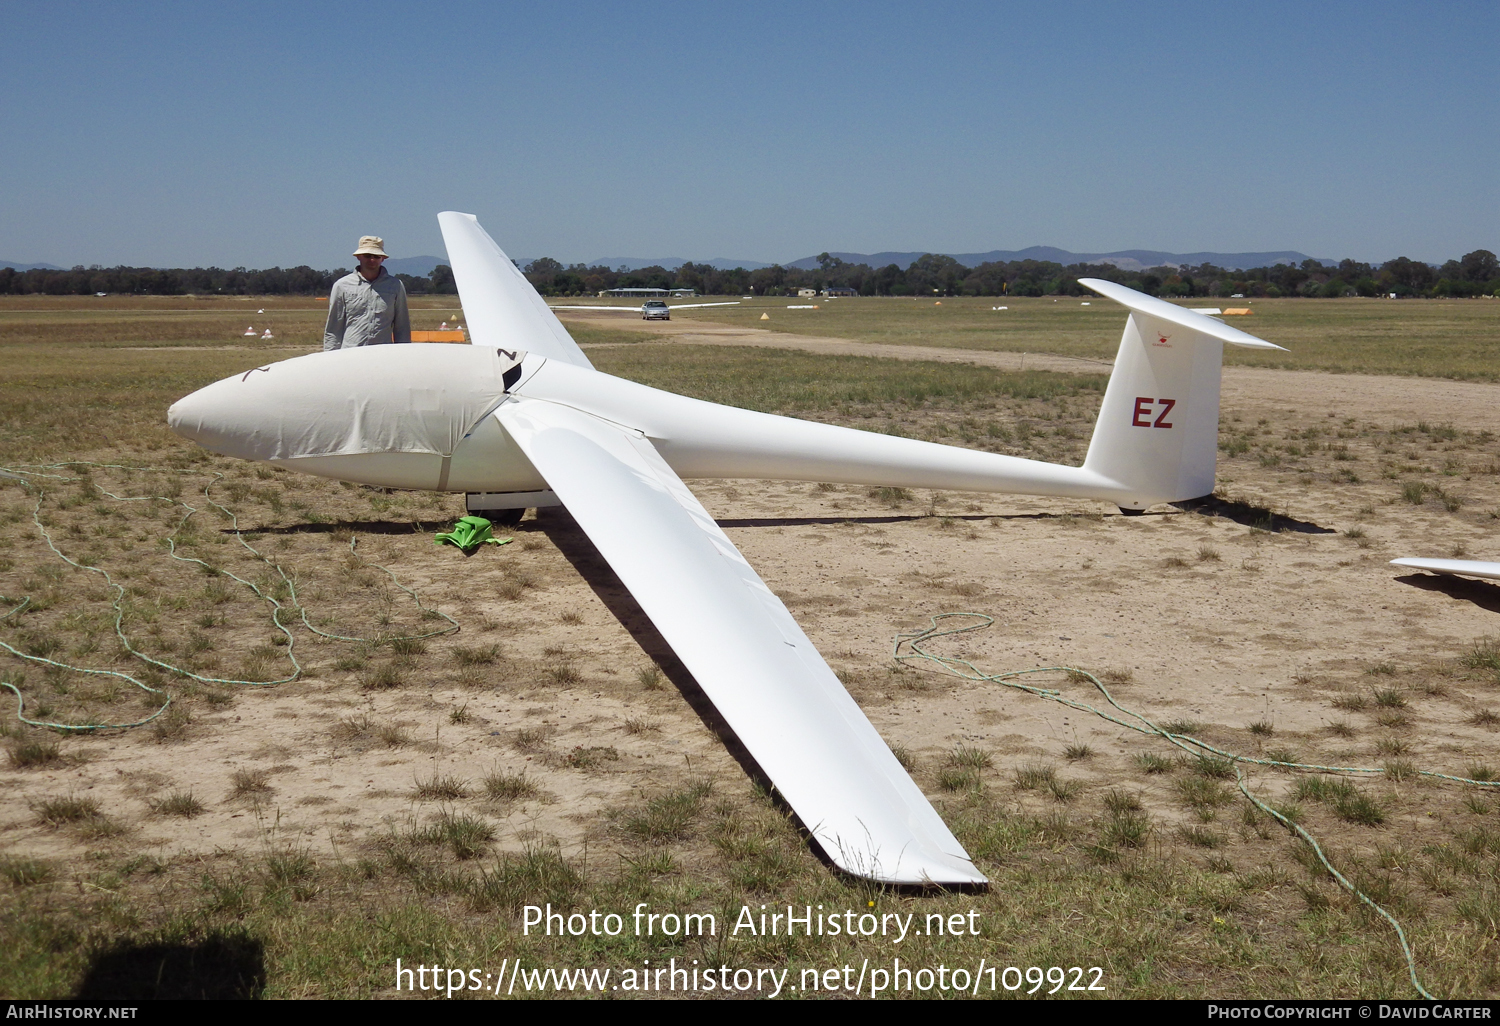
<point>637,293</point>
<point>806,293</point>
<point>839,290</point>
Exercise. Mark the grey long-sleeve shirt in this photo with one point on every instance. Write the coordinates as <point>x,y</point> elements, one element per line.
<point>366,313</point>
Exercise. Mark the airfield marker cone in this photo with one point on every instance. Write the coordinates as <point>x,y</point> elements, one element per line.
<point>250,331</point>
<point>268,334</point>
<point>765,317</point>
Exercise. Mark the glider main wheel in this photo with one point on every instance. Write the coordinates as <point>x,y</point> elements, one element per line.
<point>502,517</point>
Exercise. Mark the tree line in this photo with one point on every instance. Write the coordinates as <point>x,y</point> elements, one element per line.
<point>1474,274</point>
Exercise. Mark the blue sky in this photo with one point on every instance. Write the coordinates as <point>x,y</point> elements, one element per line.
<point>260,134</point>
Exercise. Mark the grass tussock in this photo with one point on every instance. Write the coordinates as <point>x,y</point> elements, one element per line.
<point>509,787</point>
<point>1349,802</point>
<point>32,753</point>
<point>441,787</point>
<point>180,803</point>
<point>668,817</point>
<point>591,757</point>
<point>479,655</point>
<point>1152,763</point>
<point>69,809</point>
<point>24,872</point>
<point>464,835</point>
<point>249,785</point>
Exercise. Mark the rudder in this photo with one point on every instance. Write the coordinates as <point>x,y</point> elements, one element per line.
<point>1158,428</point>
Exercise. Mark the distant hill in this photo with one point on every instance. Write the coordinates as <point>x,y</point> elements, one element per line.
<point>1125,259</point>
<point>30,267</point>
<point>419,266</point>
<point>635,263</point>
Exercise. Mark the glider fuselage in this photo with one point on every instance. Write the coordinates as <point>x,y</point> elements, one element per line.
<point>697,439</point>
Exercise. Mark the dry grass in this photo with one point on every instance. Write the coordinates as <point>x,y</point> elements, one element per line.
<point>441,787</point>
<point>32,753</point>
<point>509,787</point>
<point>179,803</point>
<point>245,784</point>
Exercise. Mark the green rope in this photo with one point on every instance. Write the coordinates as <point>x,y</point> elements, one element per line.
<point>292,587</point>
<point>21,699</point>
<point>24,473</point>
<point>119,608</point>
<point>1193,746</point>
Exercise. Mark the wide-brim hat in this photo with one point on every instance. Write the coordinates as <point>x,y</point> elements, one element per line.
<point>372,244</point>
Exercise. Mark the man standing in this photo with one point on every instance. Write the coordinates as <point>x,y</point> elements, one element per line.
<point>368,307</point>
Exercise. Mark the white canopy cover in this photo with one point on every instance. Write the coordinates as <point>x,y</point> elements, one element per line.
<point>374,399</point>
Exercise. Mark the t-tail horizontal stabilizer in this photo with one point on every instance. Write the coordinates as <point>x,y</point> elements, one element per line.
<point>1158,428</point>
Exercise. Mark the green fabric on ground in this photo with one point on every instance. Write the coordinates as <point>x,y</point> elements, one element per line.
<point>468,534</point>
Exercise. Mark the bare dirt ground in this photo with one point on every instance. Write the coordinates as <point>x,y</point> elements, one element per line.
<point>1204,619</point>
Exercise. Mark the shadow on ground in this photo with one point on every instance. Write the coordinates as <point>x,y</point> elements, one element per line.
<point>1249,515</point>
<point>356,526</point>
<point>219,967</point>
<point>1485,596</point>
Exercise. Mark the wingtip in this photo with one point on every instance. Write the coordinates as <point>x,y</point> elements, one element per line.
<point>923,867</point>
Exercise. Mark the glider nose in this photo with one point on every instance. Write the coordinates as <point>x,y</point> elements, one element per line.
<point>373,400</point>
<point>215,417</point>
<point>192,416</point>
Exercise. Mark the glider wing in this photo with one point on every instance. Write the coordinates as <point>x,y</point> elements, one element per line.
<point>742,646</point>
<point>1458,567</point>
<point>500,305</point>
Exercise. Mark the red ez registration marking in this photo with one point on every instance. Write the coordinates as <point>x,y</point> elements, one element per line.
<point>1143,412</point>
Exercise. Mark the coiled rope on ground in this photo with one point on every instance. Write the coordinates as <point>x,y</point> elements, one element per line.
<point>28,474</point>
<point>914,641</point>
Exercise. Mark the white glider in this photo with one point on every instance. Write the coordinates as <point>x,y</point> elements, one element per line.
<point>1455,567</point>
<point>522,414</point>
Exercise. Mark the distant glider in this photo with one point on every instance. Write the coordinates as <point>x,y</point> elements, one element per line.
<point>522,416</point>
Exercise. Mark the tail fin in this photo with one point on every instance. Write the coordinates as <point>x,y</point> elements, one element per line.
<point>1158,428</point>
